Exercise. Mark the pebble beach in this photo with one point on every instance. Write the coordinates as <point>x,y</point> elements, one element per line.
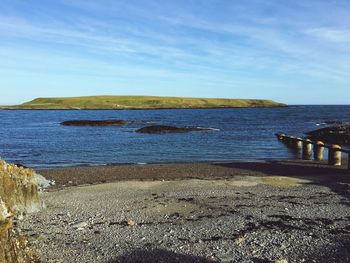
<point>282,211</point>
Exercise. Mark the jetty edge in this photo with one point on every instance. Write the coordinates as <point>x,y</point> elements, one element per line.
<point>315,149</point>
<point>140,102</point>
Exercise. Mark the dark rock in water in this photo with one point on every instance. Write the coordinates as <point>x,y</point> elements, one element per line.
<point>335,134</point>
<point>160,129</point>
<point>102,122</point>
<point>332,122</point>
<point>336,122</point>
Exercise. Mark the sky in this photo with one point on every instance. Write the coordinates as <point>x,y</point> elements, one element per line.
<point>292,51</point>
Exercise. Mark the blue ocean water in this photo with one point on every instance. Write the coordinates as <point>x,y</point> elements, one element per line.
<point>36,139</point>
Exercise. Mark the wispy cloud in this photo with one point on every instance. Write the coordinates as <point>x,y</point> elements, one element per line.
<point>206,42</point>
<point>331,34</point>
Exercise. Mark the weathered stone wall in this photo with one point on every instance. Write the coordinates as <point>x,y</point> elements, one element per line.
<point>19,194</point>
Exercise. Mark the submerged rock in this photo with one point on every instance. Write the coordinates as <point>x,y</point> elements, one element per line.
<point>339,134</point>
<point>336,122</point>
<point>102,122</point>
<point>161,129</point>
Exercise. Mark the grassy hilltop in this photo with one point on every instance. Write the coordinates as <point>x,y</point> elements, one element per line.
<point>141,102</point>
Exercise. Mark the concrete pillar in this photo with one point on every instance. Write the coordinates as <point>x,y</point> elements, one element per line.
<point>298,143</point>
<point>318,151</point>
<point>307,149</point>
<point>334,155</point>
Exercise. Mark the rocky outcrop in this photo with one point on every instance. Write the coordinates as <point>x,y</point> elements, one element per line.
<point>336,122</point>
<point>161,129</point>
<point>102,122</point>
<point>19,194</point>
<point>339,134</point>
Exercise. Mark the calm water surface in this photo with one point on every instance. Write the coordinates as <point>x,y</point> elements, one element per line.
<point>35,137</point>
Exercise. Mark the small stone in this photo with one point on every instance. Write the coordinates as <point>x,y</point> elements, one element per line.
<point>239,240</point>
<point>131,222</point>
<point>210,259</point>
<point>80,225</point>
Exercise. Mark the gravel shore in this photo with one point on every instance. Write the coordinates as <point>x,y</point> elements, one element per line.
<point>73,176</point>
<point>233,212</point>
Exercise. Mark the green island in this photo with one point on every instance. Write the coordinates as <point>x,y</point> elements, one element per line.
<point>141,102</point>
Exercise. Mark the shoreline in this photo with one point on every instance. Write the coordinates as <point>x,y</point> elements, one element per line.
<point>90,175</point>
<point>40,168</point>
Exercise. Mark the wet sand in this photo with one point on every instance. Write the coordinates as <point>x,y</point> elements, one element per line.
<point>74,176</point>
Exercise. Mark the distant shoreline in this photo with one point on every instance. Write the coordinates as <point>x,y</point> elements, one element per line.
<point>160,108</point>
<point>139,102</point>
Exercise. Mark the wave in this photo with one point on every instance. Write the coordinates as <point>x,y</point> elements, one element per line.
<point>208,129</point>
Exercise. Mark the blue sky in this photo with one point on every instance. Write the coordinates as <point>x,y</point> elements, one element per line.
<point>296,52</point>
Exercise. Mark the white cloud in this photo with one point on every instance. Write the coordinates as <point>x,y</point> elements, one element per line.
<point>330,34</point>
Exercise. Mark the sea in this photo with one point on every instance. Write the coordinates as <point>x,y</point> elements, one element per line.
<point>36,139</point>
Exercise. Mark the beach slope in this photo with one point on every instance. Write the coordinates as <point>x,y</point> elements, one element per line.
<point>229,212</point>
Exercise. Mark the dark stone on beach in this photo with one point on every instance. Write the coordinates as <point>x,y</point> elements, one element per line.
<point>339,134</point>
<point>101,122</point>
<point>161,129</point>
<point>21,165</point>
